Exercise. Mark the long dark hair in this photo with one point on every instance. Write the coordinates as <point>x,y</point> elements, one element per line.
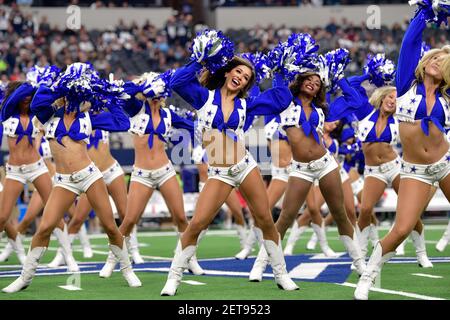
<point>217,80</point>
<point>10,88</point>
<point>319,100</point>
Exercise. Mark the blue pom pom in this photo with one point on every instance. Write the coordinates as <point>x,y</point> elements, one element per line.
<point>37,76</point>
<point>260,63</point>
<point>296,55</point>
<point>425,48</point>
<point>213,49</point>
<point>380,69</point>
<point>435,11</point>
<point>331,67</point>
<point>157,85</point>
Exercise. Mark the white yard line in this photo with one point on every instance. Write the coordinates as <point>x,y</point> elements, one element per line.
<point>426,275</point>
<point>398,293</point>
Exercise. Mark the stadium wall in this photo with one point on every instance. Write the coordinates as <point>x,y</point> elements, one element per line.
<point>102,18</point>
<point>307,16</point>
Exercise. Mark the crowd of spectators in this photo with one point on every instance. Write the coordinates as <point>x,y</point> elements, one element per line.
<point>131,49</point>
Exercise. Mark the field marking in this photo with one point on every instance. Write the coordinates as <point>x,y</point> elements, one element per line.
<point>70,288</point>
<point>426,275</point>
<point>398,293</point>
<point>194,283</point>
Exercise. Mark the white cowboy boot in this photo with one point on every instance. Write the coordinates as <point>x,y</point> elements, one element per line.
<point>109,266</point>
<point>18,248</point>
<point>400,251</point>
<point>373,235</point>
<point>259,266</point>
<point>242,233</point>
<point>6,252</point>
<point>421,250</point>
<point>179,264</point>
<point>66,248</point>
<point>373,268</point>
<point>248,247</point>
<point>353,249</point>
<point>125,264</point>
<point>442,243</point>
<point>363,237</point>
<point>312,243</point>
<point>276,258</point>
<point>28,270</point>
<point>193,265</point>
<point>294,235</point>
<point>322,238</point>
<point>85,243</point>
<point>134,247</point>
<point>59,260</point>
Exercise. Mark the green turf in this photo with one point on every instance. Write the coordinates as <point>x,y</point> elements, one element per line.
<point>394,276</point>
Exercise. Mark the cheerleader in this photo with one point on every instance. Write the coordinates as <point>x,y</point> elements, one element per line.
<point>222,107</point>
<point>423,112</point>
<point>378,132</point>
<point>151,125</point>
<point>64,111</point>
<point>24,164</point>
<point>303,123</point>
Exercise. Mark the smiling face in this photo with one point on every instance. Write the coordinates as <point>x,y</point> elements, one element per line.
<point>238,78</point>
<point>433,66</point>
<point>311,86</point>
<point>389,102</point>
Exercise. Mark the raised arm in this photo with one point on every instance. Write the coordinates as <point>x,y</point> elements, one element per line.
<point>11,105</point>
<point>410,53</point>
<point>184,82</point>
<point>349,102</point>
<point>114,121</point>
<point>42,104</point>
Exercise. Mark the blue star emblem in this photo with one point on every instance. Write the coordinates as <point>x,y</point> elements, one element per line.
<point>401,109</point>
<point>325,160</point>
<point>409,111</point>
<point>111,170</point>
<point>167,168</point>
<point>140,128</point>
<point>85,126</point>
<point>52,125</point>
<point>299,167</point>
<point>91,169</point>
<point>403,166</point>
<point>209,113</point>
<point>247,161</point>
<point>293,118</point>
<point>207,122</point>
<point>217,171</point>
<point>447,158</point>
<point>59,178</point>
<point>143,120</point>
<point>370,170</point>
<point>413,100</point>
<point>397,162</point>
<point>413,169</point>
<point>286,119</point>
<point>140,173</point>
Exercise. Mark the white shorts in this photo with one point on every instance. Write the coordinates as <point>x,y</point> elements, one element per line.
<point>153,178</point>
<point>314,170</point>
<point>235,174</point>
<point>78,182</point>
<point>344,175</point>
<point>357,186</point>
<point>386,172</point>
<point>27,172</point>
<point>280,173</point>
<point>428,173</point>
<point>113,172</point>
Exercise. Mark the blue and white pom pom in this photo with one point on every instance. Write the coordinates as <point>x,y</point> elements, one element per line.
<point>331,67</point>
<point>37,76</point>
<point>79,84</point>
<point>296,55</point>
<point>156,85</point>
<point>380,69</point>
<point>107,92</point>
<point>213,49</point>
<point>425,49</point>
<point>260,63</point>
<point>436,11</point>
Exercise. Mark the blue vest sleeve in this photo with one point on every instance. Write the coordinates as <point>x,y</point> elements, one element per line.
<point>42,103</point>
<point>114,121</point>
<point>271,101</point>
<point>182,123</point>
<point>345,104</point>
<point>132,106</point>
<point>184,82</point>
<point>410,53</point>
<point>11,105</point>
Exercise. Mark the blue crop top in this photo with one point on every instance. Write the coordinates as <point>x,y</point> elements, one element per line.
<point>10,115</point>
<point>115,120</point>
<point>96,137</point>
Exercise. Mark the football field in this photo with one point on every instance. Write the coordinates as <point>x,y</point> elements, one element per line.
<point>318,277</point>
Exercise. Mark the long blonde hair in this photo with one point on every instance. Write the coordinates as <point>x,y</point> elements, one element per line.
<point>377,97</point>
<point>445,69</point>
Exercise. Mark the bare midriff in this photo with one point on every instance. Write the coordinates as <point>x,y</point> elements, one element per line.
<point>146,158</point>
<point>304,148</point>
<point>377,153</point>
<point>281,153</point>
<point>23,152</point>
<point>70,157</point>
